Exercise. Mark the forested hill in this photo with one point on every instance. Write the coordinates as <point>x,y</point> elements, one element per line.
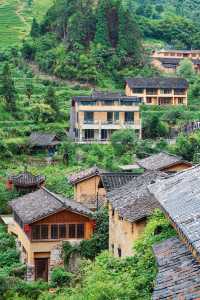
<point>104,41</point>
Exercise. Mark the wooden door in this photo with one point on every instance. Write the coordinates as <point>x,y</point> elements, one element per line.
<point>41,268</point>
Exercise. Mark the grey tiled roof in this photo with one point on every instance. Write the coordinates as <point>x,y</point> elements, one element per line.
<point>158,82</point>
<point>112,181</point>
<point>37,205</point>
<point>26,179</point>
<point>159,161</point>
<point>179,197</point>
<point>43,139</point>
<point>178,274</point>
<point>133,200</point>
<point>87,173</point>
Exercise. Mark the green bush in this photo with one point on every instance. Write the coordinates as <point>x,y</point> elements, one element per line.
<point>60,278</point>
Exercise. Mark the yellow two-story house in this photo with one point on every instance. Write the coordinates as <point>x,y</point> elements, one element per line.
<point>158,90</point>
<point>96,117</point>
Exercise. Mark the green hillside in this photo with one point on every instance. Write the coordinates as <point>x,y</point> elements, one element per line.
<point>16,17</point>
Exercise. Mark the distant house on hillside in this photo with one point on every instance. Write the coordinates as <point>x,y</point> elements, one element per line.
<point>41,222</point>
<point>158,90</point>
<point>25,182</point>
<point>165,162</point>
<point>44,141</point>
<point>169,60</point>
<point>91,185</point>
<point>98,116</point>
<point>129,207</point>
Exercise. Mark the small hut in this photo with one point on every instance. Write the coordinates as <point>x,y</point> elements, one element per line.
<point>25,182</point>
<point>44,141</point>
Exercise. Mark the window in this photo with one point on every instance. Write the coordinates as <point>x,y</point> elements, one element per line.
<point>80,231</point>
<point>149,100</point>
<point>113,212</point>
<point>179,91</point>
<point>120,218</point>
<point>36,232</point>
<point>85,103</point>
<point>40,232</point>
<point>113,248</point>
<point>88,117</point>
<point>138,91</point>
<point>110,116</point>
<point>54,231</point>
<point>89,134</point>
<point>108,102</point>
<point>119,252</point>
<point>44,230</point>
<point>180,100</point>
<point>104,134</point>
<point>165,91</point>
<point>72,231</point>
<point>129,117</point>
<point>151,91</point>
<point>116,116</point>
<point>62,231</point>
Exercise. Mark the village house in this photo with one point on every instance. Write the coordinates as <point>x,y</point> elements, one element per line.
<point>91,185</point>
<point>178,259</point>
<point>158,90</point>
<point>25,182</point>
<point>44,141</point>
<point>129,207</point>
<point>169,60</point>
<point>96,117</point>
<point>42,221</point>
<point>164,162</point>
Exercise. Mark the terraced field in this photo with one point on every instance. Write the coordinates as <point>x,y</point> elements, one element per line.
<point>16,17</point>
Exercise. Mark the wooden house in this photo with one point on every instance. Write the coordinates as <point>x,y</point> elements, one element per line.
<point>158,90</point>
<point>41,222</point>
<point>25,182</point>
<point>96,117</point>
<point>44,141</point>
<point>164,162</point>
<point>169,60</point>
<point>129,207</point>
<point>91,185</point>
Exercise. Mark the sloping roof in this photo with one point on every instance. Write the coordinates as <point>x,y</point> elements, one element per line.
<point>179,272</point>
<point>42,203</point>
<point>175,61</point>
<point>112,181</point>
<point>106,94</point>
<point>84,174</point>
<point>133,200</point>
<point>43,139</point>
<point>159,161</point>
<point>179,197</point>
<point>158,82</point>
<point>26,179</point>
<point>137,100</point>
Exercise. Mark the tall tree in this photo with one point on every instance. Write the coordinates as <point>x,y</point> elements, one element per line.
<point>8,90</point>
<point>35,29</point>
<point>102,36</point>
<point>130,40</point>
<point>51,99</point>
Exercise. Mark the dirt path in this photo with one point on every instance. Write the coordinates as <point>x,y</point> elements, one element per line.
<point>19,11</point>
<point>53,78</point>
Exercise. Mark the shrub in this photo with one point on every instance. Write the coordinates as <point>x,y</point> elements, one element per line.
<point>32,290</point>
<point>60,277</point>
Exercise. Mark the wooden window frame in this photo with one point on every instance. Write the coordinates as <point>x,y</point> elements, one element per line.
<point>59,236</point>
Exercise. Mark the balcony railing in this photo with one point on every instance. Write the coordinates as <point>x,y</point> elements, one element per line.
<point>113,122</point>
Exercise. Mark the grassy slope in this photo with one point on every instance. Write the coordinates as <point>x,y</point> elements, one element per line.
<point>16,17</point>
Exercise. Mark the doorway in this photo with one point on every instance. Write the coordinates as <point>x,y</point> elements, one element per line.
<point>41,268</point>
